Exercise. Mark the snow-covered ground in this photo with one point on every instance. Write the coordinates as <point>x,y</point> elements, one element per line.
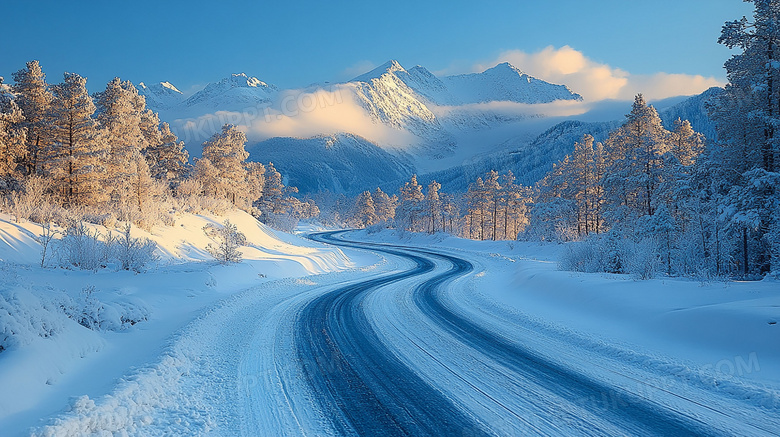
<point>40,376</point>
<point>217,353</point>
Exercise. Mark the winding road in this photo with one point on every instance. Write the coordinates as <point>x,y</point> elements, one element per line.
<point>366,387</point>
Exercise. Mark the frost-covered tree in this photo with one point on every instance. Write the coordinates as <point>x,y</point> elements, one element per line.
<point>492,188</point>
<point>754,82</point>
<point>225,151</point>
<point>686,144</point>
<point>167,157</point>
<point>78,150</point>
<point>577,179</point>
<point>13,136</point>
<point>255,180</point>
<point>272,201</point>
<point>432,209</point>
<point>747,118</point>
<point>228,240</point>
<point>119,115</point>
<point>364,212</point>
<point>384,205</point>
<point>515,199</point>
<point>34,98</point>
<point>636,152</point>
<point>477,207</point>
<point>408,212</point>
<point>277,205</point>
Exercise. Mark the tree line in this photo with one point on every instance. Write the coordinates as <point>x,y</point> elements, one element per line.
<point>107,152</point>
<point>647,200</point>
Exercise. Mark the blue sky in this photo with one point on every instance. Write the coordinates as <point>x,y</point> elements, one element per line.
<point>293,44</point>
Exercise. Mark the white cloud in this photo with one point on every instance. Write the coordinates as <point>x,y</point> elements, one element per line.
<point>596,81</point>
<point>299,114</point>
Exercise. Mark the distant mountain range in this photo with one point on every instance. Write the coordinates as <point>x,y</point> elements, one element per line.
<point>450,128</point>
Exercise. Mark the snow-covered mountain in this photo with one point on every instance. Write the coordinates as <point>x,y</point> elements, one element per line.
<point>236,92</point>
<point>502,83</point>
<point>342,163</point>
<point>390,122</point>
<point>388,99</point>
<point>505,83</point>
<point>161,95</point>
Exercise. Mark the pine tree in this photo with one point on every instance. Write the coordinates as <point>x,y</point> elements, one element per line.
<point>747,116</point>
<point>515,199</point>
<point>384,205</point>
<point>119,115</point>
<point>754,78</point>
<point>78,150</point>
<point>364,214</point>
<point>408,213</point>
<point>476,209</point>
<point>635,155</point>
<point>492,188</point>
<point>35,100</point>
<point>272,202</point>
<point>13,137</point>
<point>255,181</point>
<point>686,144</point>
<point>225,151</point>
<point>433,207</point>
<point>167,157</point>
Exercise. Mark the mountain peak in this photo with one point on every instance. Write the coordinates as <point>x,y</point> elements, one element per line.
<point>506,67</point>
<point>238,90</point>
<point>170,86</point>
<point>244,81</point>
<point>160,95</point>
<point>391,66</point>
<point>505,82</point>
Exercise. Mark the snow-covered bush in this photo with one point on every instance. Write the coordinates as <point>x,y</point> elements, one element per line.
<point>30,198</point>
<point>643,260</point>
<point>612,253</point>
<point>584,256</point>
<point>81,248</point>
<point>25,316</point>
<point>133,253</point>
<point>88,311</point>
<point>228,240</point>
<point>598,253</point>
<point>85,249</point>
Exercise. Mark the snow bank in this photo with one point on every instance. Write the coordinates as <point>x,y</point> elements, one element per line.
<point>73,333</point>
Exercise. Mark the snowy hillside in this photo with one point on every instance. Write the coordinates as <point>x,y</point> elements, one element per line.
<point>68,333</point>
<point>694,110</point>
<point>341,163</point>
<point>530,158</point>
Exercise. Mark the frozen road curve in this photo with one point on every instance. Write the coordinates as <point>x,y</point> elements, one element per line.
<point>365,387</point>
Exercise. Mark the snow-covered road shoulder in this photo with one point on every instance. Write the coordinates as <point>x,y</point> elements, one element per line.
<point>52,359</point>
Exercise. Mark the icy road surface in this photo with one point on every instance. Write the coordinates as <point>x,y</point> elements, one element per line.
<point>364,386</point>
